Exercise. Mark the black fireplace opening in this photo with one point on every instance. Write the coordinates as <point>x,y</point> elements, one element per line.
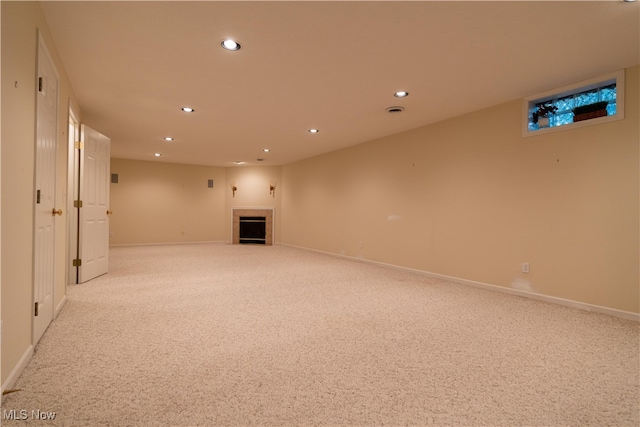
<point>253,230</point>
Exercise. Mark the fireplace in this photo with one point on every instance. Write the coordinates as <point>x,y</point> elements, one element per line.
<point>252,226</point>
<point>253,229</point>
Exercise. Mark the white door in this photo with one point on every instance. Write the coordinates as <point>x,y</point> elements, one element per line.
<point>45,185</point>
<point>94,212</point>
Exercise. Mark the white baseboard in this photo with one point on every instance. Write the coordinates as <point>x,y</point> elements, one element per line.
<point>204,242</point>
<point>540,297</point>
<point>60,306</point>
<point>17,370</point>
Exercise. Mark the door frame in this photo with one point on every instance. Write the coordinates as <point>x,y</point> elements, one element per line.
<point>73,194</point>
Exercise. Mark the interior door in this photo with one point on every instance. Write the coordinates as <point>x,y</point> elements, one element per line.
<point>93,245</point>
<point>73,189</point>
<point>45,186</point>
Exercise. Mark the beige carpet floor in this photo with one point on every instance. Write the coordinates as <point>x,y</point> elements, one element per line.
<point>215,334</point>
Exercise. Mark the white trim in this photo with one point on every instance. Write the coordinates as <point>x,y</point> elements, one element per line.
<point>73,165</point>
<point>540,297</point>
<point>17,370</point>
<point>1,388</point>
<point>617,76</point>
<point>128,245</point>
<point>60,306</point>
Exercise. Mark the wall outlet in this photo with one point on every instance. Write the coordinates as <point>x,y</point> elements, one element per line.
<point>525,267</point>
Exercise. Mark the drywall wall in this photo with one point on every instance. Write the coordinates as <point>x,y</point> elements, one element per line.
<point>473,199</point>
<point>157,202</point>
<point>253,185</point>
<point>21,22</point>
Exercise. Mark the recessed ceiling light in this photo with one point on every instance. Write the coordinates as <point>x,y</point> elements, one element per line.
<point>230,44</point>
<point>401,94</point>
<point>157,154</point>
<point>314,130</point>
<point>168,138</point>
<point>239,163</point>
<point>188,109</point>
<point>266,150</point>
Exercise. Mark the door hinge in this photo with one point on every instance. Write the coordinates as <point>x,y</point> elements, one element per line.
<point>78,145</point>
<point>77,262</point>
<point>36,310</point>
<point>40,84</point>
<point>77,203</point>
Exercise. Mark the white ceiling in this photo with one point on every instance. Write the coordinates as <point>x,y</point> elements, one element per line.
<point>328,65</point>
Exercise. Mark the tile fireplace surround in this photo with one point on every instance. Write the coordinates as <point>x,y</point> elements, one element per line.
<point>267,213</point>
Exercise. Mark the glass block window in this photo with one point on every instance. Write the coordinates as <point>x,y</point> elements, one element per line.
<point>573,105</point>
<point>563,110</point>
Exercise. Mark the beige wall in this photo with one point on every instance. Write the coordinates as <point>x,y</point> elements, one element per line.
<point>20,24</point>
<point>472,199</point>
<point>157,202</point>
<point>253,192</point>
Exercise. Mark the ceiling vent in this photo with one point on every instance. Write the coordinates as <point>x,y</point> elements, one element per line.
<point>395,109</point>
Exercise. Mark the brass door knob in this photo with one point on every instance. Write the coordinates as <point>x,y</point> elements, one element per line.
<point>109,212</point>
<point>55,212</point>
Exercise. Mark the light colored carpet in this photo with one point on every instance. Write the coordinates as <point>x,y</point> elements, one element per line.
<point>215,334</point>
